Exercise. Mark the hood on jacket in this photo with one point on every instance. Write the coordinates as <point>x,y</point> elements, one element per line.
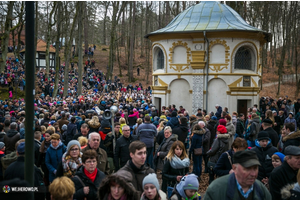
<point>12,133</point>
<point>105,187</point>
<point>199,132</point>
<point>224,136</point>
<point>286,191</point>
<point>58,146</point>
<point>257,143</point>
<point>295,135</point>
<point>256,119</point>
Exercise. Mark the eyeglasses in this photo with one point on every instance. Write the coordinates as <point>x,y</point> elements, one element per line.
<point>126,130</point>
<point>74,149</point>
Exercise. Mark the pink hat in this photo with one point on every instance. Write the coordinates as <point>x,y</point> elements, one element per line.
<point>35,104</point>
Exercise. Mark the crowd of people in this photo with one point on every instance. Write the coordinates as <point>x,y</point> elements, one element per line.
<point>149,152</point>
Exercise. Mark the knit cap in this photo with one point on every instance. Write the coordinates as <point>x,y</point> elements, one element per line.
<point>280,155</point>
<point>73,142</point>
<point>222,129</point>
<point>263,135</point>
<point>189,182</point>
<point>64,127</point>
<point>1,145</point>
<point>222,122</point>
<point>152,179</point>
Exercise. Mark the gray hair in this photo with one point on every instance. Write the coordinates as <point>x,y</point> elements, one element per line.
<point>13,125</point>
<point>168,128</point>
<point>201,123</point>
<point>125,127</point>
<point>92,134</point>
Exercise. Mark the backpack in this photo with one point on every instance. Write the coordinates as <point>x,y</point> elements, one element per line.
<point>7,160</point>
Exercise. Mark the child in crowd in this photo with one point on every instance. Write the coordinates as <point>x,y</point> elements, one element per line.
<point>186,189</point>
<point>151,189</point>
<point>277,159</point>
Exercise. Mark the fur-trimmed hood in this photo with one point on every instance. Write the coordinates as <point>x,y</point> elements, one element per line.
<point>292,136</point>
<point>223,136</point>
<point>286,191</point>
<point>199,132</point>
<point>105,187</point>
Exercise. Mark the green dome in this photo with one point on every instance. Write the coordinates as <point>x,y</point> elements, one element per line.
<point>206,16</point>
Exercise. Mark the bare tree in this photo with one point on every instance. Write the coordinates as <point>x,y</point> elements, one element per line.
<point>5,36</point>
<point>57,59</point>
<point>80,27</point>
<point>132,35</point>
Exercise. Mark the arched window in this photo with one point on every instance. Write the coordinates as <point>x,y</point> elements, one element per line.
<point>160,59</point>
<point>244,58</point>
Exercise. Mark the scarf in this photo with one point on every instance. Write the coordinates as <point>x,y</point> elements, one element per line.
<point>91,176</point>
<point>70,165</point>
<point>123,197</point>
<point>177,163</point>
<point>44,146</point>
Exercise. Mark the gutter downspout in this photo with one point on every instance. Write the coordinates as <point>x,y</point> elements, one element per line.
<point>207,56</point>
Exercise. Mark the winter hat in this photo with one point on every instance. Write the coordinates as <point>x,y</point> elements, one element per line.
<point>73,142</point>
<point>222,122</point>
<point>21,148</point>
<point>291,114</point>
<point>1,145</point>
<point>189,182</point>
<point>222,129</point>
<point>263,135</point>
<point>280,155</point>
<point>174,114</point>
<point>64,127</point>
<point>152,179</point>
<point>214,118</point>
<point>105,126</point>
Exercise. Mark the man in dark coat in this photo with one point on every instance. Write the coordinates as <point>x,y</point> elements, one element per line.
<point>183,130</point>
<point>11,137</point>
<point>135,170</point>
<point>219,111</point>
<point>277,123</point>
<point>62,121</point>
<point>292,137</point>
<point>240,127</point>
<point>286,173</point>
<point>264,151</point>
<point>16,170</point>
<point>71,130</point>
<point>267,126</point>
<point>122,154</point>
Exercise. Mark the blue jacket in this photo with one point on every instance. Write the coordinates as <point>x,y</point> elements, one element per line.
<point>289,120</point>
<point>218,113</point>
<point>173,122</point>
<point>53,158</point>
<point>197,140</point>
<point>146,133</point>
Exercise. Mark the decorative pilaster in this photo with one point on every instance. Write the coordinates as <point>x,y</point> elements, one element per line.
<point>197,90</point>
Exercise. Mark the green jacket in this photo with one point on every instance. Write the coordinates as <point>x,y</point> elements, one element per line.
<point>218,189</point>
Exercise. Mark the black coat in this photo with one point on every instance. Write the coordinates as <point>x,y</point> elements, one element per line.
<point>160,137</point>
<point>279,178</point>
<point>278,126</point>
<point>223,165</point>
<point>122,154</point>
<point>16,170</point>
<point>182,132</point>
<point>240,127</point>
<point>169,175</point>
<point>211,127</point>
<point>292,139</point>
<point>273,136</point>
<point>265,158</point>
<point>93,186</point>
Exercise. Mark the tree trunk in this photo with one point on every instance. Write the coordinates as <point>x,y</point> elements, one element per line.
<point>130,72</point>
<point>57,60</point>
<point>5,36</point>
<point>49,27</point>
<point>67,52</point>
<point>106,5</point>
<point>86,42</point>
<point>80,27</point>
<point>36,26</point>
